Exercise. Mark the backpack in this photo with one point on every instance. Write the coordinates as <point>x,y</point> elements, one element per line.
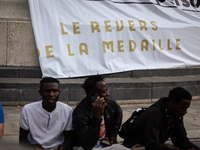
<point>126,126</point>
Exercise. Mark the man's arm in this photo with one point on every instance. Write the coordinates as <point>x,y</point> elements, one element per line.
<point>152,123</point>
<point>67,145</point>
<point>117,123</point>
<point>1,129</point>
<point>1,121</point>
<point>86,133</point>
<point>23,141</point>
<point>179,137</point>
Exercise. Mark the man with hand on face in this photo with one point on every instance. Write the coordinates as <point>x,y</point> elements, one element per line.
<point>162,120</point>
<point>46,124</point>
<point>96,121</point>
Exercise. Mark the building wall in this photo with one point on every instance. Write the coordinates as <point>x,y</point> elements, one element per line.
<point>17,43</point>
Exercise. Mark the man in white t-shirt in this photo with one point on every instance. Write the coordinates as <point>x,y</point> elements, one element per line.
<point>46,124</point>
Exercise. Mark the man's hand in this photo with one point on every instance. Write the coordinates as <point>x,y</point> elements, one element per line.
<point>98,107</point>
<point>61,147</point>
<point>39,147</point>
<point>113,140</point>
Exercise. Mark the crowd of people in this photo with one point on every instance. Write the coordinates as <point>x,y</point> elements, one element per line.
<point>95,122</point>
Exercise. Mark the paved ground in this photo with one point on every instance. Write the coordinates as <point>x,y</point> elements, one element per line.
<point>11,133</point>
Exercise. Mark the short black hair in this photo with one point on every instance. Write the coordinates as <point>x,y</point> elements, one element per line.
<point>178,94</point>
<point>90,83</point>
<point>48,80</point>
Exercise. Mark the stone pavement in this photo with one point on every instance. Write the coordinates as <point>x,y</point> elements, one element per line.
<point>10,140</point>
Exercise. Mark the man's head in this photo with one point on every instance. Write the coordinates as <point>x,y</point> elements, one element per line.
<point>96,84</point>
<point>179,102</point>
<point>49,91</point>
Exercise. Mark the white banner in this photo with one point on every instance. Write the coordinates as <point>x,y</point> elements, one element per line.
<point>87,37</point>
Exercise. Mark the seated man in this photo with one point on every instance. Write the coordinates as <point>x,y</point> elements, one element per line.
<point>96,120</point>
<point>1,121</point>
<point>163,120</point>
<point>47,123</point>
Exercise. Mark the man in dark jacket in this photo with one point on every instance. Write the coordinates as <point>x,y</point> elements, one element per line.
<point>96,122</point>
<point>163,120</point>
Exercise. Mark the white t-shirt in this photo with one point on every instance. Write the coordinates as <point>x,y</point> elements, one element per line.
<point>46,128</point>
